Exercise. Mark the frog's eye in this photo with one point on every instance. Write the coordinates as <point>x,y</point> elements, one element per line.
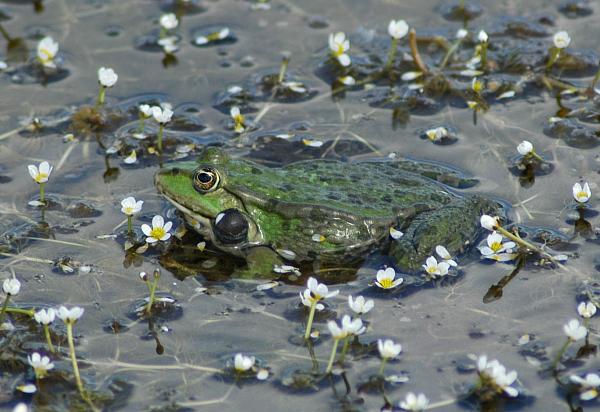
<point>205,179</point>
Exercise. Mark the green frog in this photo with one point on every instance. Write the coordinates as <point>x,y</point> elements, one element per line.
<point>324,210</point>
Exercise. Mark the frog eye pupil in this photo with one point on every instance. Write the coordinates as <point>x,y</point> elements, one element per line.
<point>205,179</point>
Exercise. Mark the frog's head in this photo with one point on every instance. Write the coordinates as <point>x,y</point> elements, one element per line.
<point>200,190</point>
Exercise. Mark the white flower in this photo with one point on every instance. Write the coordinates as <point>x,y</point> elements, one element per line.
<point>11,286</point>
<point>296,87</point>
<point>46,51</point>
<point>385,279</point>
<point>482,36</point>
<point>433,268</point>
<point>581,194</point>
<point>496,249</point>
<point>490,223</point>
<point>44,317</point>
<point>444,254</point>
<point>41,364</point>
<point>107,76</point>
<point>169,21</point>
<point>42,174</point>
<point>506,95</point>
<point>162,114</point>
<point>21,406</point>
<point>146,110</point>
<point>461,33</point>
<point>131,158</point>
<point>349,327</point>
<point>524,148</point>
<point>238,119</point>
<point>130,206</point>
<point>395,233</point>
<point>437,134</point>
<point>69,315</point>
<point>347,80</point>
<point>315,143</point>
<point>496,372</point>
<point>359,305</point>
<point>586,309</point>
<point>397,29</point>
<point>339,45</point>
<point>414,403</point>
<point>219,35</point>
<point>169,44</point>
<point>574,330</point>
<point>242,363</point>
<point>561,40</point>
<point>307,300</point>
<point>158,231</point>
<point>408,76</point>
<point>589,385</point>
<point>388,349</point>
<point>318,290</point>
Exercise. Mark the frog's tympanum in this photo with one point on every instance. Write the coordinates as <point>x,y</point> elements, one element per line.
<point>323,209</point>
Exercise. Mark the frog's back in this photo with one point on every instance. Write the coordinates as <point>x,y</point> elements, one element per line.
<point>371,190</point>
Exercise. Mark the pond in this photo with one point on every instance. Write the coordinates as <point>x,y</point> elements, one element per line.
<point>269,84</point>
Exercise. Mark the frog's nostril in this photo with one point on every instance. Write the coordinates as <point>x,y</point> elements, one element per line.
<point>231,227</point>
<point>175,171</point>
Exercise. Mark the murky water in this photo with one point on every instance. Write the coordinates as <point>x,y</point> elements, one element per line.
<point>174,362</point>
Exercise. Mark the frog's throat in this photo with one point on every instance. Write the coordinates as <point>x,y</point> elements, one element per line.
<point>203,225</point>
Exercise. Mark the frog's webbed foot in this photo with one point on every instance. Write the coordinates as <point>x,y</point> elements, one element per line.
<point>446,175</point>
<point>259,264</point>
<point>455,226</point>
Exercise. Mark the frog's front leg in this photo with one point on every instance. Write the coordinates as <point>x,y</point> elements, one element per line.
<point>455,226</point>
<point>260,261</point>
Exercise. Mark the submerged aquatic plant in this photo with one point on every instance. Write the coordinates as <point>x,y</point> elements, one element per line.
<point>350,327</point>
<point>311,296</point>
<point>151,288</point>
<point>561,41</point>
<point>145,111</point>
<point>397,29</point>
<point>574,331</point>
<point>107,78</point>
<point>40,175</point>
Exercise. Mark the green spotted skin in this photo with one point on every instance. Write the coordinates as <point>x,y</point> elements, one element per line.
<point>350,205</point>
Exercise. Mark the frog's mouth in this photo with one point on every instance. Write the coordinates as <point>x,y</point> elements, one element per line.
<point>206,227</point>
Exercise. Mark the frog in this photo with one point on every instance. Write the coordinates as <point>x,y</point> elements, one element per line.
<point>326,210</point>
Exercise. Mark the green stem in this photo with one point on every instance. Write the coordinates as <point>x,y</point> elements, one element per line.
<point>129,225</point>
<point>382,367</point>
<point>5,34</point>
<point>28,312</point>
<point>311,316</point>
<point>42,192</point>
<point>160,137</point>
<point>283,69</point>
<point>536,156</point>
<point>74,359</point>
<point>48,340</point>
<point>344,349</point>
<point>4,306</point>
<point>391,54</point>
<point>151,297</point>
<point>141,126</point>
<point>554,53</point>
<point>332,356</point>
<point>560,354</point>
<point>525,243</point>
<point>484,46</point>
<point>101,94</point>
<point>449,53</point>
<point>596,78</point>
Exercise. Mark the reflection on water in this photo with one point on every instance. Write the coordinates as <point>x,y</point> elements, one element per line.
<point>75,249</point>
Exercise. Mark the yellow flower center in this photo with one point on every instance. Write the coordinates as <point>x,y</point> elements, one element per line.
<point>48,56</point>
<point>432,269</point>
<point>582,195</point>
<point>128,211</point>
<point>386,283</point>
<point>496,246</point>
<point>40,176</point>
<point>157,233</point>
